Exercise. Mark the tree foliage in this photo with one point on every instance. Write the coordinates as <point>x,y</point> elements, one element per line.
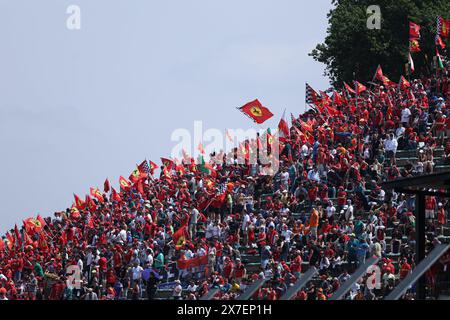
<point>353,51</point>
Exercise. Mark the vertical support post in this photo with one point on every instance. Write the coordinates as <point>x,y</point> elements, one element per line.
<point>420,241</point>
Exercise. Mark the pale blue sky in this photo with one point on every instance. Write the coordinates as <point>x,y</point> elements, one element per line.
<point>79,106</point>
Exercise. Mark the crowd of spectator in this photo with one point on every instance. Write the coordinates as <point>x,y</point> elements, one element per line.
<point>324,207</point>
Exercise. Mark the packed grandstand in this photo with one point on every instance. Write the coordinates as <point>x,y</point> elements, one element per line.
<point>198,225</point>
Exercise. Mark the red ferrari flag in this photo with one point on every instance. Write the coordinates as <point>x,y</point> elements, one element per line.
<point>34,225</point>
<point>115,196</point>
<point>167,163</point>
<point>90,204</point>
<point>337,99</point>
<point>326,100</point>
<point>29,225</point>
<point>179,168</point>
<point>360,87</point>
<point>387,82</point>
<point>414,30</point>
<point>443,27</point>
<point>135,176</point>
<point>96,193</point>
<point>11,240</point>
<point>256,111</point>
<point>42,241</point>
<point>414,45</point>
<point>153,167</point>
<point>180,233</point>
<point>106,186</point>
<point>349,89</point>
<point>124,184</point>
<point>404,84</point>
<point>378,74</point>
<point>39,224</point>
<point>332,112</point>
<point>79,204</point>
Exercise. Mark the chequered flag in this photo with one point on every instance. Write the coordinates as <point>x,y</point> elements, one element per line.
<point>144,167</point>
<point>311,96</point>
<point>438,27</point>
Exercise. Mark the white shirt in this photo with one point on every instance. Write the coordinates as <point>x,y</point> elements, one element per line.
<point>150,260</point>
<point>305,150</point>
<point>313,175</point>
<point>137,271</point>
<point>400,131</point>
<point>391,145</point>
<point>406,113</point>
<point>331,210</point>
<point>286,234</point>
<point>285,177</point>
<point>245,221</point>
<point>123,235</point>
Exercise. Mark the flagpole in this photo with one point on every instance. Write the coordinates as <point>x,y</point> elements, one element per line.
<point>356,90</point>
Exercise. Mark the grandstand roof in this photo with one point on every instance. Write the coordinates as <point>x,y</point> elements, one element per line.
<point>422,184</point>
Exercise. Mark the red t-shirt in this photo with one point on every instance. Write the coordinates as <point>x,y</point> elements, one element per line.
<point>430,203</point>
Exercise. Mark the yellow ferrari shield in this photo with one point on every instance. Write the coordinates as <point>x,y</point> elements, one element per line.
<point>256,111</point>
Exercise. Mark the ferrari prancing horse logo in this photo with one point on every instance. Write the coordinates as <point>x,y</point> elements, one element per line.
<point>256,111</point>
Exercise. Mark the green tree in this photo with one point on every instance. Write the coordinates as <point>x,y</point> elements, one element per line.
<point>353,51</point>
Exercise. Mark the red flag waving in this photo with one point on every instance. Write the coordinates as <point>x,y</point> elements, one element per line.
<point>95,192</point>
<point>404,84</point>
<point>349,89</point>
<point>115,196</point>
<point>180,233</point>
<point>256,111</point>
<point>153,167</point>
<point>379,74</point>
<point>106,186</point>
<point>11,240</point>
<point>135,176</point>
<point>29,225</point>
<point>443,27</point>
<point>337,99</point>
<point>167,163</point>
<point>360,87</point>
<point>283,126</point>
<point>34,225</point>
<point>325,98</point>
<point>414,30</point>
<point>414,45</point>
<point>79,204</point>
<point>387,82</point>
<point>124,183</point>
<point>90,204</point>
<point>39,224</point>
